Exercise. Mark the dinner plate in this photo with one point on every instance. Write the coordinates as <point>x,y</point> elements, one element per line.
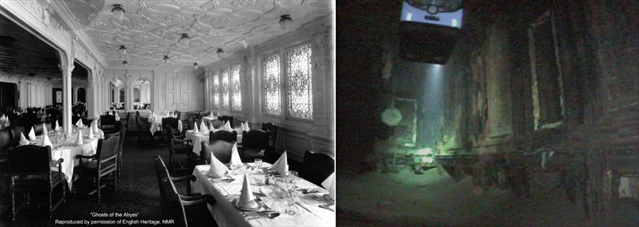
<point>236,201</point>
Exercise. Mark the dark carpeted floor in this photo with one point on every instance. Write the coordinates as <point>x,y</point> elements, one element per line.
<point>137,193</point>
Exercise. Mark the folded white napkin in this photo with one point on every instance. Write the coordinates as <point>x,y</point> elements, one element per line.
<point>152,118</point>
<point>117,116</point>
<point>79,140</point>
<point>235,156</point>
<point>281,165</point>
<point>32,134</point>
<point>46,141</point>
<point>211,115</point>
<point>329,184</point>
<point>57,126</point>
<point>94,127</point>
<point>227,126</point>
<point>90,134</point>
<point>109,113</point>
<point>247,198</point>
<point>23,140</point>
<point>79,123</point>
<point>203,128</point>
<point>218,169</point>
<point>3,118</point>
<point>195,130</point>
<point>44,129</point>
<point>246,127</point>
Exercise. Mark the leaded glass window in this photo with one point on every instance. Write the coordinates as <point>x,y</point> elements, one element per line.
<point>216,89</point>
<point>236,88</point>
<point>299,71</point>
<point>225,89</point>
<point>271,77</point>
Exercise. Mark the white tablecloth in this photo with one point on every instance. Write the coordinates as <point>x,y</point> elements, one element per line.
<point>67,149</point>
<point>307,212</point>
<point>197,138</point>
<point>157,126</point>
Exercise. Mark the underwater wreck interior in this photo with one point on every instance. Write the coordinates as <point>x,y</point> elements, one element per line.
<point>533,120</point>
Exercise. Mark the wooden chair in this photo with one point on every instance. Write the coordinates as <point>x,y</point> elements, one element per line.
<point>107,122</point>
<point>144,127</point>
<point>223,135</point>
<point>31,170</point>
<point>254,143</point>
<point>173,122</point>
<point>182,150</point>
<point>316,167</point>
<point>120,148</point>
<point>174,206</point>
<point>272,129</point>
<point>103,163</point>
<point>221,149</point>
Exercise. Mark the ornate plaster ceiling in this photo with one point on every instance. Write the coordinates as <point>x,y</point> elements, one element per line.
<point>151,29</point>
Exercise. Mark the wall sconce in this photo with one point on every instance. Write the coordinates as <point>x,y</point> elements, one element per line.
<point>125,63</point>
<point>285,20</point>
<point>166,59</point>
<point>122,49</point>
<point>118,12</point>
<point>195,65</point>
<point>184,40</point>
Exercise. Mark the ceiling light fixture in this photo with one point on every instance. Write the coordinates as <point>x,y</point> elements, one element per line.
<point>125,63</point>
<point>285,20</point>
<point>184,40</point>
<point>122,49</point>
<point>219,52</point>
<point>245,43</point>
<point>118,12</point>
<point>195,65</point>
<point>166,59</point>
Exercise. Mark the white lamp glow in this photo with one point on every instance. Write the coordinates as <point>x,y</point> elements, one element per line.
<point>118,12</point>
<point>285,20</point>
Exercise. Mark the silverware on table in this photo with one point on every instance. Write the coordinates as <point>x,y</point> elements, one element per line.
<point>263,204</point>
<point>326,207</point>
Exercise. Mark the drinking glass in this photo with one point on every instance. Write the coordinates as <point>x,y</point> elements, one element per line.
<point>292,179</point>
<point>257,163</point>
<point>289,200</point>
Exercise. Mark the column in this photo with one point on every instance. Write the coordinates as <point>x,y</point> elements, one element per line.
<point>66,97</point>
<point>320,60</point>
<point>92,97</point>
<point>254,88</point>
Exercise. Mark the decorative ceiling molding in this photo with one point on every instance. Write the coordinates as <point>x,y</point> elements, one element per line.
<point>152,29</point>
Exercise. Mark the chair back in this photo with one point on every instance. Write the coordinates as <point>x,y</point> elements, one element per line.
<point>255,139</point>
<point>272,129</point>
<point>168,132</point>
<point>16,130</point>
<point>109,148</point>
<point>173,122</point>
<point>171,204</point>
<point>107,120</point>
<point>177,114</point>
<point>225,119</point>
<point>30,160</point>
<point>215,123</point>
<point>222,150</point>
<point>223,135</point>
<point>38,129</point>
<point>121,140</point>
<point>5,139</point>
<point>316,167</point>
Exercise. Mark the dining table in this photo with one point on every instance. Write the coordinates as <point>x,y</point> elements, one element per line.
<point>197,137</point>
<point>65,146</point>
<point>306,209</point>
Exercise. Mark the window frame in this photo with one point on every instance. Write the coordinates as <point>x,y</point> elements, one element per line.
<point>284,71</point>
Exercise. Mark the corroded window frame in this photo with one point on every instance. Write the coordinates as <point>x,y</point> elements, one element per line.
<point>547,78</point>
<point>304,82</point>
<point>235,88</point>
<point>272,84</point>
